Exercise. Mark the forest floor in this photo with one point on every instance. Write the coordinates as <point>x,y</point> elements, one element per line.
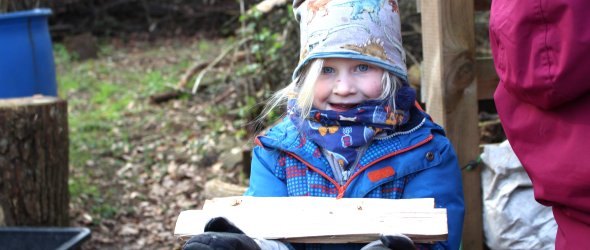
<point>134,165</point>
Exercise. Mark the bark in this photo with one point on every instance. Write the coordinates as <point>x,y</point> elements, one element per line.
<point>33,162</point>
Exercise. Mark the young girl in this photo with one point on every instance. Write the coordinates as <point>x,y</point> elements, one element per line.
<point>352,128</point>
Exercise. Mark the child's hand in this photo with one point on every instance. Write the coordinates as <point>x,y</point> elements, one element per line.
<point>220,234</point>
<point>393,242</point>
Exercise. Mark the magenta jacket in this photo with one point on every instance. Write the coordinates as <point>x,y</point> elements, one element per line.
<point>541,50</point>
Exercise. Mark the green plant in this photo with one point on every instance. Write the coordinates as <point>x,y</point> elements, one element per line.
<point>272,44</point>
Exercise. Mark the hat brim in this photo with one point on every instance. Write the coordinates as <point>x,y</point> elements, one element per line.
<point>397,71</point>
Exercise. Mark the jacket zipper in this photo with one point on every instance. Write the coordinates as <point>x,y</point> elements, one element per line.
<point>316,170</point>
<point>342,188</point>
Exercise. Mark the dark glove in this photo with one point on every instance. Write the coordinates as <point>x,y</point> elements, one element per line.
<point>220,234</point>
<point>398,242</point>
<point>393,242</point>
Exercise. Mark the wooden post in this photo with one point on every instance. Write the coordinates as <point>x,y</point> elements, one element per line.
<point>33,162</point>
<point>450,94</point>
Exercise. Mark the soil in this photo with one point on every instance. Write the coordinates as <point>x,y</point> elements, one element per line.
<point>160,160</point>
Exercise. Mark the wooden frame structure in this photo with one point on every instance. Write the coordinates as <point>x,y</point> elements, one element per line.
<point>453,81</point>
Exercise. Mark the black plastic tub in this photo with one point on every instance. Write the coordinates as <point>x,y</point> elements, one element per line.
<point>43,238</point>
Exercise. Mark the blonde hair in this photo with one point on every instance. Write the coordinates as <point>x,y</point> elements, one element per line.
<point>302,88</point>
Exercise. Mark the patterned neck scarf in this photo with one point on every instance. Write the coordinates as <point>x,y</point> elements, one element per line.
<point>341,134</point>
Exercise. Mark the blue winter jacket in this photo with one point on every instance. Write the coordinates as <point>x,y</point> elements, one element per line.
<point>417,162</point>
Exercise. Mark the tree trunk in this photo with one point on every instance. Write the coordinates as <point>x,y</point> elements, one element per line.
<point>33,162</point>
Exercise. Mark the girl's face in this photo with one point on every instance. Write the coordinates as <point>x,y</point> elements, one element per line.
<point>345,83</point>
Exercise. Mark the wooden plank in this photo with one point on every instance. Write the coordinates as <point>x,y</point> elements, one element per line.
<point>487,79</point>
<point>450,93</point>
<point>320,219</point>
<point>319,203</point>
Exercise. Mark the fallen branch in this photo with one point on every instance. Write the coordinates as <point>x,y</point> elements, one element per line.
<point>204,67</point>
<point>190,73</point>
<point>164,97</point>
<point>222,97</point>
<point>216,61</point>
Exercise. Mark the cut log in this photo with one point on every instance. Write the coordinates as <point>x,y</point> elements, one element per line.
<point>321,220</point>
<point>33,162</point>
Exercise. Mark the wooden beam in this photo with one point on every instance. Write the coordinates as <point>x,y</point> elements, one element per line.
<point>321,219</point>
<point>450,93</point>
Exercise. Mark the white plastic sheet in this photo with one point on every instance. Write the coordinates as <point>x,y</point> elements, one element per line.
<point>512,217</point>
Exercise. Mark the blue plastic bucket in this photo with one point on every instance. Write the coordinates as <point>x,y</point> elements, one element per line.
<point>26,56</point>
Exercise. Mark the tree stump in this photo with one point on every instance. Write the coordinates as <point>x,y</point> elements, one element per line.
<point>34,162</point>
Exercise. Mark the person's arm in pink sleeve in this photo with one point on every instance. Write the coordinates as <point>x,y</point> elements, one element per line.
<point>541,49</point>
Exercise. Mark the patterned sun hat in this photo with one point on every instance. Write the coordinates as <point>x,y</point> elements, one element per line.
<point>366,30</point>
